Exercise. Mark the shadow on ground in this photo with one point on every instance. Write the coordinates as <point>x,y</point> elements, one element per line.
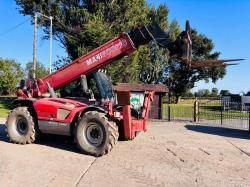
<point>220,131</point>
<point>60,142</point>
<point>55,141</point>
<point>3,135</point>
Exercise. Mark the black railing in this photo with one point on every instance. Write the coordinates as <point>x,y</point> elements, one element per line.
<point>225,114</point>
<point>206,111</point>
<point>172,113</point>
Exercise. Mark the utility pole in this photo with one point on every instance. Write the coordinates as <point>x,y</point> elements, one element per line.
<point>34,47</point>
<point>51,32</point>
<point>50,53</point>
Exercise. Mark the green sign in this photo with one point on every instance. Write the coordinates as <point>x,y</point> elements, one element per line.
<point>136,100</point>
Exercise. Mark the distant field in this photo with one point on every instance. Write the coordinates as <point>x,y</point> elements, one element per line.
<point>5,108</point>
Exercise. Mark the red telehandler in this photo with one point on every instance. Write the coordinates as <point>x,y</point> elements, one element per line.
<point>95,125</point>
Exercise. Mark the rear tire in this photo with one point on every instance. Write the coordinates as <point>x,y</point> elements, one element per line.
<point>20,126</point>
<point>95,134</point>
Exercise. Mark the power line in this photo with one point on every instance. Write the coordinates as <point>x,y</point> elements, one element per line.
<point>13,28</point>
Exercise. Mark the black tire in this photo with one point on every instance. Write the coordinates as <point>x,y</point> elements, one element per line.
<point>20,126</point>
<point>95,134</point>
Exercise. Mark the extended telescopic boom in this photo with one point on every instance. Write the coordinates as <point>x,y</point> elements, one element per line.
<point>89,63</point>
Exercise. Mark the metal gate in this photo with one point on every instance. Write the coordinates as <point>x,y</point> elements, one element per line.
<point>225,114</point>
<point>207,111</point>
<point>171,112</point>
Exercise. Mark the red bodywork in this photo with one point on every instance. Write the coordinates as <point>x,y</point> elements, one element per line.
<point>87,64</point>
<point>54,104</point>
<point>53,113</point>
<point>133,125</point>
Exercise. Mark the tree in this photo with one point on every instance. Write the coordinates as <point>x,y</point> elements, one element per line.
<point>41,70</point>
<point>203,93</point>
<point>152,59</point>
<point>81,26</point>
<point>214,92</point>
<point>247,94</point>
<point>11,73</point>
<point>182,78</point>
<point>225,92</point>
<point>188,94</point>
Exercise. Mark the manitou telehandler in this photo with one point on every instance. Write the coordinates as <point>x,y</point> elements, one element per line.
<point>94,124</point>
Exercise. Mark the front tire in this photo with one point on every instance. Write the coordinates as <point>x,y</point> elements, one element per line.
<point>20,126</point>
<point>95,134</point>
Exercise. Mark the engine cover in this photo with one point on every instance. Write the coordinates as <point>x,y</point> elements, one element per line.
<point>56,114</point>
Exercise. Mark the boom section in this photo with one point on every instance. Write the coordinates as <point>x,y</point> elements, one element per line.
<point>89,63</point>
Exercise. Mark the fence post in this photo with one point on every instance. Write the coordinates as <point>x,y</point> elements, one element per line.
<point>249,118</point>
<point>160,107</point>
<point>221,111</point>
<point>169,115</point>
<point>196,109</point>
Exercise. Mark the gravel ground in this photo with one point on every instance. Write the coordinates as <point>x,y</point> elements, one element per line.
<point>168,154</point>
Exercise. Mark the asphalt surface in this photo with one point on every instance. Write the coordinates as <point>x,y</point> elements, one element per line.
<point>168,154</point>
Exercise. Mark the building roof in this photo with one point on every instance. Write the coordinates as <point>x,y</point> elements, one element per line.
<point>159,88</point>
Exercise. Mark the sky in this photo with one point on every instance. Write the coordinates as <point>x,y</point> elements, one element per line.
<point>226,22</point>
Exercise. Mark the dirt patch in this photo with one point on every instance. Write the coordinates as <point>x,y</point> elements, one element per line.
<point>168,154</point>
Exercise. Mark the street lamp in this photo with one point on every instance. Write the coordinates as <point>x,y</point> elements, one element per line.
<point>51,23</point>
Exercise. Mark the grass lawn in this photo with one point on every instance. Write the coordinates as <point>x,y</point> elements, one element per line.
<point>178,110</point>
<point>5,108</point>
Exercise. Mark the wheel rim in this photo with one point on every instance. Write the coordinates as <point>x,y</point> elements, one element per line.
<point>22,125</point>
<point>94,134</point>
